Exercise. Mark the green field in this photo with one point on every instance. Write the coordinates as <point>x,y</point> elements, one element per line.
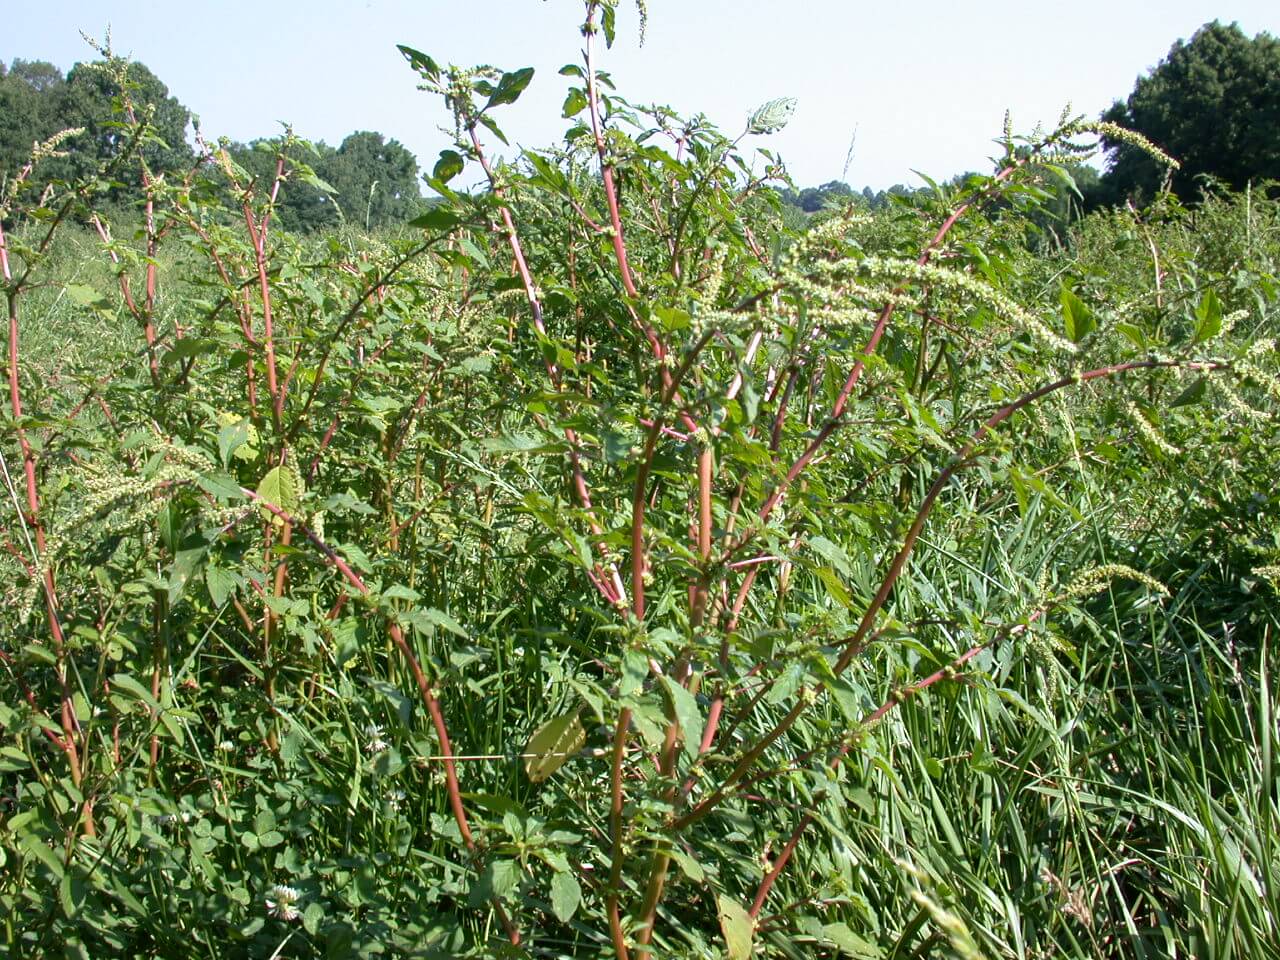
<point>615,560</point>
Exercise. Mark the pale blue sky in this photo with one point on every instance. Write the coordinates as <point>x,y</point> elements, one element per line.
<point>925,84</point>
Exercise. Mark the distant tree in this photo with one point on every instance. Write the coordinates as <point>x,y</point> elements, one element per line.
<point>1214,104</point>
<point>40,75</point>
<point>300,206</point>
<point>376,179</point>
<point>86,99</point>
<point>28,110</point>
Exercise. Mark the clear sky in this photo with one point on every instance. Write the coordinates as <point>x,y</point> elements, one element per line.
<point>924,84</point>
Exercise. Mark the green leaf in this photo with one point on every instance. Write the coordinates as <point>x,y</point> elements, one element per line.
<point>189,347</point>
<point>566,895</point>
<point>446,622</point>
<point>833,553</point>
<point>1193,394</point>
<point>501,878</point>
<point>487,122</point>
<point>71,895</point>
<point>510,87</point>
<point>32,844</point>
<point>690,867</point>
<point>283,487</point>
<point>635,670</point>
<point>219,485</point>
<point>552,744</point>
<point>184,567</point>
<point>437,218</point>
<point>738,928</point>
<point>1208,317</point>
<point>849,943</point>
<point>1077,318</point>
<point>574,103</point>
<point>687,715</point>
<point>237,438</point>
<point>1134,335</point>
<point>125,684</point>
<point>420,62</point>
<point>448,166</point>
<point>89,297</point>
<point>311,917</point>
<point>608,21</point>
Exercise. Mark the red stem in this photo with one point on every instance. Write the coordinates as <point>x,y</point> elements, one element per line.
<point>420,678</point>
<point>68,717</point>
<point>855,645</point>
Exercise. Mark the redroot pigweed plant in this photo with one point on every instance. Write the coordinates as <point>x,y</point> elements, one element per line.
<point>552,580</point>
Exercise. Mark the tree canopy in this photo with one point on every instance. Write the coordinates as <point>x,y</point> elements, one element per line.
<point>374,179</point>
<point>1214,104</point>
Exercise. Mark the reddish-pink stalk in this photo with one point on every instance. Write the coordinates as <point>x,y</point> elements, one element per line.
<point>143,316</point>
<point>258,235</point>
<point>855,644</point>
<point>949,671</point>
<point>616,932</point>
<point>607,581</point>
<point>639,555</point>
<point>779,864</point>
<point>68,716</point>
<point>606,167</point>
<point>420,678</point>
<point>873,343</point>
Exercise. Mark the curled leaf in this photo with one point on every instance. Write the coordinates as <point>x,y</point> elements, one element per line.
<point>552,744</point>
<point>772,117</point>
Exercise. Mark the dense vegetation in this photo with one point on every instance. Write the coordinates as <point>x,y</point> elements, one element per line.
<point>603,566</point>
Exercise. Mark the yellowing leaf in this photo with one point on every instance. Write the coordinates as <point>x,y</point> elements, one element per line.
<point>738,928</point>
<point>552,744</point>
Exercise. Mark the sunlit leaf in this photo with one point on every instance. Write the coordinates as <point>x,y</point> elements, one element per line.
<point>552,745</point>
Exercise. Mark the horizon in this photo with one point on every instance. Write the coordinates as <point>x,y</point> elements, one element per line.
<point>265,79</point>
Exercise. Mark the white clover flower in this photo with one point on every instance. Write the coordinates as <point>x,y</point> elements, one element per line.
<point>395,798</point>
<point>374,732</point>
<point>280,902</point>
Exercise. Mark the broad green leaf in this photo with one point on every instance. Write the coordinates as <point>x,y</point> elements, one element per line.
<point>283,487</point>
<point>737,926</point>
<point>1077,318</point>
<point>552,744</point>
<point>89,297</point>
<point>437,218</point>
<point>510,87</point>
<point>1134,335</point>
<point>420,62</point>
<point>448,166</point>
<point>446,622</point>
<point>566,895</point>
<point>237,437</point>
<point>125,684</point>
<point>184,567</point>
<point>833,553</point>
<point>574,103</point>
<point>1192,394</point>
<point>849,943</point>
<point>690,867</point>
<point>684,706</point>
<point>1208,317</point>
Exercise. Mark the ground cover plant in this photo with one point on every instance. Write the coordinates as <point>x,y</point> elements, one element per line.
<point>602,567</point>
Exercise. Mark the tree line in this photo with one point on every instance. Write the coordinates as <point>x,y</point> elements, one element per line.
<point>368,179</point>
<point>1213,103</point>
